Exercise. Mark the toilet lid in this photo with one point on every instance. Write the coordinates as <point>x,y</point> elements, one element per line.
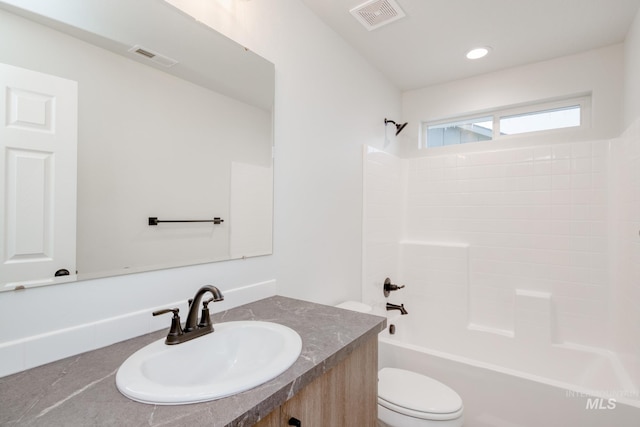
<point>355,306</point>
<point>417,395</point>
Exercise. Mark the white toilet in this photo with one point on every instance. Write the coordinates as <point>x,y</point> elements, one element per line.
<point>409,399</point>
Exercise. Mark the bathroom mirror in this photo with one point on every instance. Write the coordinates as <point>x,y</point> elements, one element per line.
<point>184,141</point>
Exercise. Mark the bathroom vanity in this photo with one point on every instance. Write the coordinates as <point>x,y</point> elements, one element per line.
<point>333,382</point>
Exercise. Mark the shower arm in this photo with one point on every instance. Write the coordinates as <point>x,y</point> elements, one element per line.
<point>398,126</point>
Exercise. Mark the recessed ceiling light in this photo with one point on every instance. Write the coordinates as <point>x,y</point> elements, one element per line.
<point>477,53</point>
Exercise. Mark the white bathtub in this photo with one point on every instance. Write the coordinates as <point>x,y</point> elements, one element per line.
<point>504,383</point>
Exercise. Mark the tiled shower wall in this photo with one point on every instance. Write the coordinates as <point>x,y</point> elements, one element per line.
<point>384,210</point>
<point>625,247</point>
<point>535,219</point>
<point>535,222</point>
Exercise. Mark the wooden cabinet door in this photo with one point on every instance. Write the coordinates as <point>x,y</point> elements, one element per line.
<point>271,420</point>
<point>344,396</point>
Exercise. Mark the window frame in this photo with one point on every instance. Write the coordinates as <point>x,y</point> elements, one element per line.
<point>582,101</point>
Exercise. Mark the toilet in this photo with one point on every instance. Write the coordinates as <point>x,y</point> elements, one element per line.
<point>409,399</point>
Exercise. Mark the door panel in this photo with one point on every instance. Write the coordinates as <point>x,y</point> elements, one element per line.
<point>38,153</point>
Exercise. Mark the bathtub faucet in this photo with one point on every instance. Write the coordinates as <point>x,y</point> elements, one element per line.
<point>396,307</point>
<point>388,287</point>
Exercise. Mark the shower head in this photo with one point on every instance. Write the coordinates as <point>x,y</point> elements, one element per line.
<point>399,126</point>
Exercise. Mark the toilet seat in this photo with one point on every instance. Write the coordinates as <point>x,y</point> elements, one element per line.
<point>417,396</point>
<point>355,306</point>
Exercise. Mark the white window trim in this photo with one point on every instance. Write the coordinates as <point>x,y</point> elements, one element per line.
<point>584,101</point>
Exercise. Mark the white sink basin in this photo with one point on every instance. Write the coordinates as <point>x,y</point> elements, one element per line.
<point>237,356</point>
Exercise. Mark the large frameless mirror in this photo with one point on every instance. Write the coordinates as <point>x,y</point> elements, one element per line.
<point>120,118</point>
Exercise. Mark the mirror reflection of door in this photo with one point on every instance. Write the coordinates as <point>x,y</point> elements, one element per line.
<point>38,152</point>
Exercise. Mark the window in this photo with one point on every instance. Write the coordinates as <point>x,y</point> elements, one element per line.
<point>558,118</point>
<point>460,132</point>
<point>500,124</point>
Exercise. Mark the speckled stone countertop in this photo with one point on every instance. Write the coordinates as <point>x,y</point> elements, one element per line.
<point>81,390</point>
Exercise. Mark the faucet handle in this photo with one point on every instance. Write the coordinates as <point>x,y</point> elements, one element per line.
<point>176,329</point>
<point>388,287</point>
<point>205,319</point>
<point>175,312</point>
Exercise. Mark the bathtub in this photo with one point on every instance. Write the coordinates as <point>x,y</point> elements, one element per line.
<point>504,383</point>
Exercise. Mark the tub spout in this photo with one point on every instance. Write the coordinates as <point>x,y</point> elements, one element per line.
<point>397,307</point>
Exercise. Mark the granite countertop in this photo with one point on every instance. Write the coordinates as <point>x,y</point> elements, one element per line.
<point>81,390</point>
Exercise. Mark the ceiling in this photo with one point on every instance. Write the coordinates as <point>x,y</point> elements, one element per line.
<point>428,46</point>
<point>117,25</point>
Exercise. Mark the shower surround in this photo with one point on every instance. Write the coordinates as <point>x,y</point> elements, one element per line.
<point>513,256</point>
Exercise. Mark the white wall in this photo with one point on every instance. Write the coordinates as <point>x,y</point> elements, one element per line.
<point>599,72</point>
<point>625,247</point>
<point>534,220</point>
<point>329,102</point>
<point>631,73</point>
<point>625,224</point>
<point>384,200</point>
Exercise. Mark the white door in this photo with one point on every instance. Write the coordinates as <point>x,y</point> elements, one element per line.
<point>38,152</point>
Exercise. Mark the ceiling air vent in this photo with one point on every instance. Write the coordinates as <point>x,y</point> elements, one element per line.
<point>376,13</point>
<point>165,61</point>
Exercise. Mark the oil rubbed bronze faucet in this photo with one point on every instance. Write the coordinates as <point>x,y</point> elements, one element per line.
<point>396,307</point>
<point>192,328</point>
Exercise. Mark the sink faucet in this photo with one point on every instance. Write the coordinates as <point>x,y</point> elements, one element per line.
<point>396,307</point>
<point>192,317</point>
<point>193,328</point>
